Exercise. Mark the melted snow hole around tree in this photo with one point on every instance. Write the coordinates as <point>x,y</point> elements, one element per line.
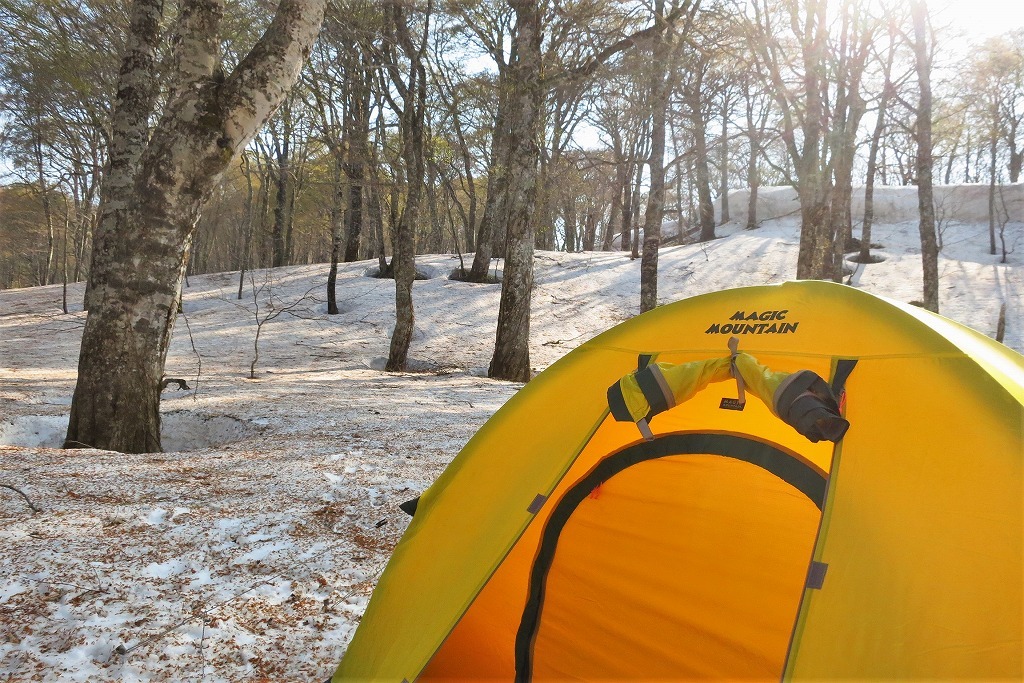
<point>181,431</point>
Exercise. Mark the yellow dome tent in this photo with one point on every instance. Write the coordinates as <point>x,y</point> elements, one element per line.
<point>561,543</point>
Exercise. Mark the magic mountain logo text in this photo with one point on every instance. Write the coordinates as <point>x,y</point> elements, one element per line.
<point>756,322</point>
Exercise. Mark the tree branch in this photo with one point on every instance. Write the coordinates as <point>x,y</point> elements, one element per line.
<point>259,83</point>
<point>595,62</point>
<point>21,493</point>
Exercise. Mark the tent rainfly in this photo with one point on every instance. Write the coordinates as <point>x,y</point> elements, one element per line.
<point>629,515</point>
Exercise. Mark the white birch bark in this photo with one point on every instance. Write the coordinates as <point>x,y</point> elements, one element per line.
<point>137,273</point>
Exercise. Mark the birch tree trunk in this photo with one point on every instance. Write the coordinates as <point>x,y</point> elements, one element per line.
<point>929,248</point>
<point>511,359</point>
<point>137,89</point>
<point>414,94</point>
<point>654,216</point>
<point>137,270</point>
<point>497,182</point>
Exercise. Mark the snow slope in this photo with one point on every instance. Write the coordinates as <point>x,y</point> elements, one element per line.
<point>248,551</point>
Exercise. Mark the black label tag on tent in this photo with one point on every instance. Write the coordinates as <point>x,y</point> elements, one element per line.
<point>537,504</point>
<point>816,575</point>
<point>731,404</point>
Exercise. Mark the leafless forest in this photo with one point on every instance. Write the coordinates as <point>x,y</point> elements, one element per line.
<point>145,141</point>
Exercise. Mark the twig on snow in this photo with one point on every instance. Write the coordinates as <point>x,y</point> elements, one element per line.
<point>23,495</point>
<point>199,357</point>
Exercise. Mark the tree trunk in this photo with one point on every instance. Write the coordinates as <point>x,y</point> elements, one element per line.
<point>357,121</point>
<point>137,90</point>
<point>511,359</point>
<point>615,219</point>
<point>842,196</point>
<point>467,169</point>
<point>992,153</point>
<point>814,178</point>
<point>626,232</point>
<point>929,248</point>
<point>246,225</point>
<point>283,181</point>
<point>659,94</point>
<point>869,188</point>
<point>571,219</point>
<point>724,160</point>
<point>49,270</point>
<point>590,230</point>
<point>412,124</point>
<point>497,181</point>
<point>702,175</point>
<point>814,258</point>
<point>136,275</point>
<point>753,174</point>
<point>803,127</point>
<point>337,225</point>
<point>634,219</point>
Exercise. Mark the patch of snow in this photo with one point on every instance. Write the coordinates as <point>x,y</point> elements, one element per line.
<point>32,431</point>
<point>156,516</point>
<point>164,570</point>
<point>263,552</point>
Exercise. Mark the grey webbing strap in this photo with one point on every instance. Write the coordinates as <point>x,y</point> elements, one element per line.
<point>645,429</point>
<point>734,344</point>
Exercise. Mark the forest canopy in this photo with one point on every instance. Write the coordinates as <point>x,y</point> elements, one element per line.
<point>328,172</point>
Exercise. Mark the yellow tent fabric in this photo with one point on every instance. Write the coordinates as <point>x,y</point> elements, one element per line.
<point>560,544</point>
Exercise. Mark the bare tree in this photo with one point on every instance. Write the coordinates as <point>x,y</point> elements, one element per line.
<point>800,83</point>
<point>925,201</point>
<point>163,180</point>
<point>876,137</point>
<point>511,358</point>
<point>271,310</point>
<point>413,92</point>
<point>660,91</point>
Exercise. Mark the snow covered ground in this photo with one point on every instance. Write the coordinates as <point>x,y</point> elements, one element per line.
<point>249,549</point>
